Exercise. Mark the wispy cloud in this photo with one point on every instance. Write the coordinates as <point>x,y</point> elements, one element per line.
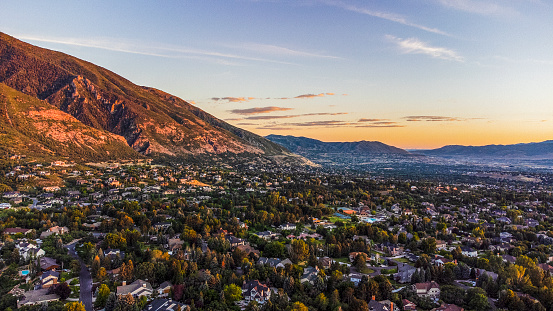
<point>296,115</point>
<point>258,110</point>
<point>314,95</point>
<point>433,119</point>
<point>157,50</point>
<point>336,123</point>
<point>396,18</point>
<point>280,51</point>
<point>233,99</point>
<point>371,120</point>
<point>415,46</point>
<point>482,7</point>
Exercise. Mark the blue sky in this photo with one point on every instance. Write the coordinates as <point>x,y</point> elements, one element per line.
<point>414,74</point>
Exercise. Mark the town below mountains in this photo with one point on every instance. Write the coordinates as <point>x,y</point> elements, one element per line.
<point>138,236</point>
<point>120,197</point>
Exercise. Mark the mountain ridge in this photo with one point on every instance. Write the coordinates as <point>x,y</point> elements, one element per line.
<point>303,145</point>
<point>542,149</point>
<point>152,122</point>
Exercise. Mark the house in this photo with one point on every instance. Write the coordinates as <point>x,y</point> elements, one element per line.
<point>234,241</point>
<point>267,235</point>
<point>385,305</point>
<point>112,253</point>
<point>326,262</point>
<point>47,263</point>
<point>310,274</point>
<point>57,230</point>
<point>440,245</point>
<point>404,273</point>
<point>428,289</point>
<point>469,251</point>
<point>174,245</point>
<point>164,289</point>
<point>28,250</point>
<point>49,278</point>
<point>256,291</point>
<point>509,258</point>
<point>274,262</point>
<point>164,305</point>
<point>408,305</point>
<point>355,278</point>
<point>17,230</point>
<point>449,307</point>
<point>248,249</point>
<point>37,297</point>
<point>137,289</point>
<point>287,226</point>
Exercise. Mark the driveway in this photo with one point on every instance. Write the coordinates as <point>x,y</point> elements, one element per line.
<point>84,277</point>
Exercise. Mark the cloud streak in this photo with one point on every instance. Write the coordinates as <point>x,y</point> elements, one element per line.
<point>116,45</point>
<point>384,15</point>
<point>258,110</point>
<point>433,119</point>
<point>415,46</point>
<point>477,7</point>
<point>233,99</point>
<point>296,115</point>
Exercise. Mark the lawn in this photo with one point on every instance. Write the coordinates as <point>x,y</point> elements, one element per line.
<point>342,259</point>
<point>402,259</point>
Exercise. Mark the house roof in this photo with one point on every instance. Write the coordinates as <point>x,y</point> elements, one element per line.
<point>46,263</point>
<point>164,305</point>
<point>137,288</point>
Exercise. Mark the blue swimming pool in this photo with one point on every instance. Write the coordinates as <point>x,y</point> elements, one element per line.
<point>24,272</point>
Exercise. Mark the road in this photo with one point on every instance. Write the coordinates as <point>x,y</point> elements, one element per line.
<point>84,277</point>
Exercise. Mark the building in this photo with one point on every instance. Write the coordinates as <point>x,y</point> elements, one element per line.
<point>37,297</point>
<point>428,289</point>
<point>47,263</point>
<point>404,273</point>
<point>17,230</point>
<point>408,305</point>
<point>49,278</point>
<point>256,291</point>
<point>57,230</point>
<point>164,305</point>
<point>164,289</point>
<point>137,289</point>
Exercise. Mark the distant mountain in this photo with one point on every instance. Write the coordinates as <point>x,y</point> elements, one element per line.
<point>543,150</point>
<point>308,146</point>
<point>151,122</point>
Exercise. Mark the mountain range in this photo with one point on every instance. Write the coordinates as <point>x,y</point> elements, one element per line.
<point>308,146</point>
<point>58,105</point>
<point>540,150</point>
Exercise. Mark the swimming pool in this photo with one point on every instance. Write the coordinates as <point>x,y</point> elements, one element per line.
<point>24,272</point>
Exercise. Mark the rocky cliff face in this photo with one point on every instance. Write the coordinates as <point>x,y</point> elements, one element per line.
<point>151,122</point>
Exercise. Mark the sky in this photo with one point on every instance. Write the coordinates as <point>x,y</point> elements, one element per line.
<point>409,73</point>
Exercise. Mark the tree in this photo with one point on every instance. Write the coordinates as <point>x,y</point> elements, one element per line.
<point>299,250</point>
<point>103,294</point>
<point>110,302</point>
<point>232,293</point>
<point>358,305</point>
<point>477,300</point>
<point>74,306</point>
<point>360,262</point>
<point>63,290</point>
<point>298,306</point>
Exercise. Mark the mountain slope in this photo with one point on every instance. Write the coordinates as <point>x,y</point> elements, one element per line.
<point>530,150</point>
<point>152,122</point>
<point>305,146</point>
<point>35,128</point>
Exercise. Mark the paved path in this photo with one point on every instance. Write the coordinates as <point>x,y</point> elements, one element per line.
<point>84,277</point>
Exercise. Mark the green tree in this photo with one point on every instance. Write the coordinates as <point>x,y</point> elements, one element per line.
<point>103,294</point>
<point>299,250</point>
<point>232,293</point>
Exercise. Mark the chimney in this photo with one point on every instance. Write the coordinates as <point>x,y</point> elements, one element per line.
<point>373,298</point>
<point>391,306</point>
<point>144,285</point>
<point>124,283</point>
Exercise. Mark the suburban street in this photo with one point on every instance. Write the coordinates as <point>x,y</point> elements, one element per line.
<point>84,277</point>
